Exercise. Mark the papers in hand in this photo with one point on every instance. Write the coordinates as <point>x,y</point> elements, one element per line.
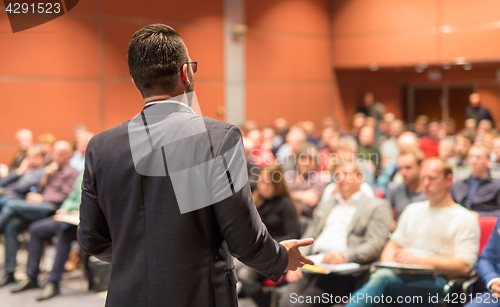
<point>406,268</point>
<point>325,268</point>
<point>73,219</point>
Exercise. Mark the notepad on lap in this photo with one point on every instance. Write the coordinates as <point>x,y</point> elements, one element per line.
<point>325,268</point>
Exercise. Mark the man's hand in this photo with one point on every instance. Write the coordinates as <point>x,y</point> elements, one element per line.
<point>23,168</point>
<point>292,276</point>
<point>495,287</point>
<point>51,168</point>
<point>333,258</point>
<point>405,257</point>
<point>35,198</point>
<point>295,258</point>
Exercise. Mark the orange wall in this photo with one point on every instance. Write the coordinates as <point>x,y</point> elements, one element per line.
<point>288,65</point>
<point>406,32</point>
<point>74,70</point>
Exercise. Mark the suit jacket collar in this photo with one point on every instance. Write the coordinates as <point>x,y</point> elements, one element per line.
<point>169,101</point>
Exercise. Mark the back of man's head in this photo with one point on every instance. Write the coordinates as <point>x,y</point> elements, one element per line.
<point>155,56</point>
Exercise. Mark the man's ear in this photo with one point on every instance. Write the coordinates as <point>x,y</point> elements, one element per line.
<point>185,75</point>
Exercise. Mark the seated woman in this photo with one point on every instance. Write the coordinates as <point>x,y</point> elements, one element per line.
<point>279,214</point>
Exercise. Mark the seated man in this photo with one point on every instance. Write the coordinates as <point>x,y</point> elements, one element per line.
<point>46,229</point>
<point>18,183</point>
<point>24,138</point>
<point>390,174</point>
<point>306,186</point>
<point>438,233</point>
<point>463,142</point>
<point>488,267</point>
<point>495,158</point>
<point>410,191</point>
<point>348,226</point>
<point>55,186</point>
<point>347,149</point>
<point>479,193</point>
<point>367,150</point>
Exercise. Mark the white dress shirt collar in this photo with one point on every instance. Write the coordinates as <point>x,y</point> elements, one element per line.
<point>169,101</point>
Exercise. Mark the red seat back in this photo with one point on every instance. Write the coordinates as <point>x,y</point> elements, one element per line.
<point>486,224</point>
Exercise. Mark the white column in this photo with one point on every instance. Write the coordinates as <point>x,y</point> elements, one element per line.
<point>234,61</point>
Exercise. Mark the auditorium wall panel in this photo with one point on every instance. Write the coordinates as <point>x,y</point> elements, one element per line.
<point>73,70</point>
<point>288,69</point>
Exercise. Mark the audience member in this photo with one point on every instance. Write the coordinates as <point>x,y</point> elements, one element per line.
<point>372,108</point>
<point>347,227</point>
<point>281,129</point>
<point>347,149</point>
<point>495,158</point>
<point>479,193</point>
<point>24,138</point>
<point>409,191</point>
<point>326,133</point>
<point>389,148</point>
<point>446,148</point>
<point>268,135</point>
<point>47,140</point>
<point>286,153</point>
<point>310,128</point>
<point>77,161</point>
<point>463,142</point>
<point>327,154</point>
<point>470,124</point>
<point>367,150</point>
<point>390,171</point>
<point>429,144</point>
<point>438,233</point>
<point>18,183</point>
<point>46,229</point>
<point>55,185</point>
<point>252,168</point>
<point>260,156</point>
<point>476,111</point>
<point>305,183</point>
<point>488,267</point>
<point>279,214</point>
<point>358,122</point>
<point>421,123</point>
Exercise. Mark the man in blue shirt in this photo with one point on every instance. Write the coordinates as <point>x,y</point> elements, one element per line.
<point>479,193</point>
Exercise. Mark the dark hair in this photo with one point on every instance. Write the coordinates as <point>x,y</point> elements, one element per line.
<point>155,56</point>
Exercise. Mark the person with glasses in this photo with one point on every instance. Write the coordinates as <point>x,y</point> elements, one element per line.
<point>348,226</point>
<point>165,195</point>
<point>479,193</point>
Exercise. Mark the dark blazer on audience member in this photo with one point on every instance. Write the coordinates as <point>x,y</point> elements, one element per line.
<point>16,187</point>
<point>280,217</point>
<point>486,201</point>
<point>488,264</point>
<point>367,232</point>
<point>161,257</point>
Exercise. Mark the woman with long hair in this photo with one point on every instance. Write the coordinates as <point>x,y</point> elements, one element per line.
<point>279,214</point>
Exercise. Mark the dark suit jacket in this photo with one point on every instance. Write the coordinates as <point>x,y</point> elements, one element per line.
<point>486,201</point>
<point>159,256</point>
<point>488,264</point>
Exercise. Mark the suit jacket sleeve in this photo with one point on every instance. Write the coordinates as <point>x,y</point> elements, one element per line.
<point>244,232</point>
<point>93,231</point>
<point>487,264</point>
<point>377,230</point>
